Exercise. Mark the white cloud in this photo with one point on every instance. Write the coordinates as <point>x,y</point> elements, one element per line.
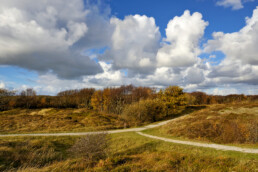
<point>109,77</point>
<point>50,37</point>
<point>183,35</point>
<point>135,42</point>
<point>240,45</point>
<point>2,85</point>
<point>240,49</point>
<point>42,36</point>
<point>235,4</point>
<point>194,75</point>
<point>50,84</point>
<point>224,91</point>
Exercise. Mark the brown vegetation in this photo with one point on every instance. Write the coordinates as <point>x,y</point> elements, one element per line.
<point>138,105</point>
<point>144,112</point>
<point>128,152</point>
<point>56,120</point>
<point>231,123</point>
<point>168,103</point>
<point>109,100</point>
<point>91,148</point>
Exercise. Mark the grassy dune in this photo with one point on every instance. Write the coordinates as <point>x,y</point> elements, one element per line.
<point>56,120</point>
<point>128,152</point>
<point>224,124</point>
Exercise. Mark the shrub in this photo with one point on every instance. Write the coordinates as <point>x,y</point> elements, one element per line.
<point>144,111</point>
<point>91,148</point>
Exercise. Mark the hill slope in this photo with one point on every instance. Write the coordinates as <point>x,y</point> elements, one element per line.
<point>231,123</point>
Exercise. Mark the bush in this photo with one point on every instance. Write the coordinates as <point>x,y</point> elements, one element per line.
<point>91,148</point>
<point>144,111</point>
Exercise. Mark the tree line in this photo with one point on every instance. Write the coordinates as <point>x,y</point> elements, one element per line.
<point>113,99</point>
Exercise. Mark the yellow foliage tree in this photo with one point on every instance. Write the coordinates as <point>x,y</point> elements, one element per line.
<point>174,99</point>
<point>97,100</point>
<point>107,102</point>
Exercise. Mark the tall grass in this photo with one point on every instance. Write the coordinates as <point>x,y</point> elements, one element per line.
<point>128,152</point>
<point>232,123</point>
<point>56,120</point>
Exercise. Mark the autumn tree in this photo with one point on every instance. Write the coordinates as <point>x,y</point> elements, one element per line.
<point>28,98</point>
<point>29,92</point>
<point>107,100</point>
<point>78,98</point>
<point>200,97</point>
<point>85,95</point>
<point>174,99</point>
<point>190,99</point>
<point>67,99</point>
<point>144,111</point>
<point>211,100</point>
<point>139,93</point>
<point>6,99</point>
<point>97,100</point>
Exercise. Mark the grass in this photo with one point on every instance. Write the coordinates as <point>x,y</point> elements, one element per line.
<point>233,124</point>
<point>56,120</point>
<point>52,120</point>
<point>159,132</point>
<point>128,152</point>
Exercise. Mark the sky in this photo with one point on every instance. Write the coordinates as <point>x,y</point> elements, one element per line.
<point>200,45</point>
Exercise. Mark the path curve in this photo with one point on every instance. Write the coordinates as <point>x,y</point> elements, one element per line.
<point>94,132</point>
<point>138,130</point>
<point>206,145</point>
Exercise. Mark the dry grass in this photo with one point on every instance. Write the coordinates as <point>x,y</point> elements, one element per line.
<point>56,120</point>
<point>128,152</point>
<point>91,148</point>
<point>232,123</point>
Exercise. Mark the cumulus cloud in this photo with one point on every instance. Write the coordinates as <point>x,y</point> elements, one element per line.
<point>240,45</point>
<point>134,43</point>
<point>41,36</point>
<point>194,75</point>
<point>76,45</point>
<point>109,77</point>
<point>235,4</point>
<point>224,91</point>
<point>49,83</point>
<point>240,49</point>
<point>183,35</point>
<point>2,85</point>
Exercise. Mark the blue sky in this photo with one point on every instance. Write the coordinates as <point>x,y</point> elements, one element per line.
<point>220,18</point>
<point>53,46</point>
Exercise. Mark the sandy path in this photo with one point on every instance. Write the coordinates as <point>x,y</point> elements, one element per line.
<point>86,133</point>
<point>138,130</point>
<point>206,145</point>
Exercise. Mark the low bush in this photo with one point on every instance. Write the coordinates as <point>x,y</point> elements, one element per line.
<point>144,111</point>
<point>91,148</point>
